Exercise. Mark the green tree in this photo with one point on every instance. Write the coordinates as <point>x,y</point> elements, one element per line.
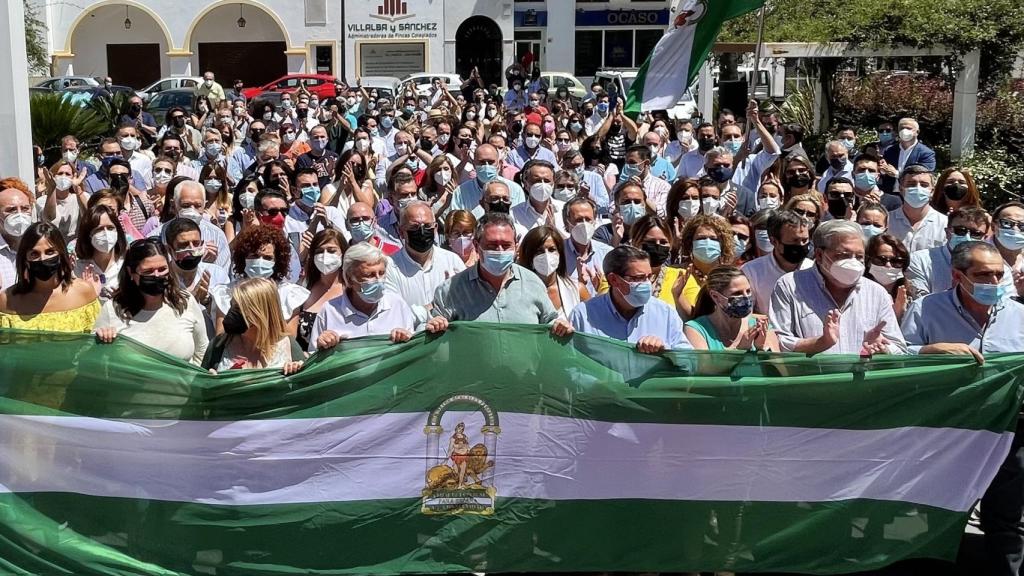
<point>35,41</point>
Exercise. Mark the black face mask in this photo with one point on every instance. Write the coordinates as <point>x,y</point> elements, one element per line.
<point>135,108</point>
<point>705,144</point>
<point>119,183</point>
<point>426,144</point>
<point>500,206</point>
<point>302,112</point>
<point>254,135</point>
<point>43,270</point>
<point>837,164</point>
<point>800,181</point>
<point>420,239</point>
<point>658,253</point>
<point>517,125</point>
<point>234,322</point>
<point>179,122</point>
<point>153,285</point>
<point>955,191</point>
<point>795,253</point>
<point>189,262</point>
<point>614,128</point>
<point>837,207</point>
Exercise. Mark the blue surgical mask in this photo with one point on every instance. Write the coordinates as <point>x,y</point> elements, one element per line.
<point>631,212</point>
<point>870,231</point>
<point>741,245</point>
<point>361,231</point>
<point>579,172</point>
<point>956,240</point>
<point>720,174</point>
<point>988,294</point>
<point>575,126</point>
<point>602,108</point>
<point>917,196</point>
<point>1010,238</point>
<point>639,293</point>
<point>865,180</point>
<point>486,172</point>
<point>707,250</point>
<point>372,291</point>
<point>259,268</point>
<point>885,138</point>
<point>310,195</point>
<point>628,171</point>
<point>733,145</point>
<point>387,122</point>
<point>497,263</point>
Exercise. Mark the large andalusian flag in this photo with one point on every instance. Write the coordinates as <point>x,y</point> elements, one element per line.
<point>489,450</point>
<point>678,56</point>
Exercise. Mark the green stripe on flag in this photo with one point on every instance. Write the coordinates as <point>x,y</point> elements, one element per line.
<point>577,536</point>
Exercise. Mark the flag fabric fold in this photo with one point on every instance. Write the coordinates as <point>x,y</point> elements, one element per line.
<point>490,449</point>
<point>677,57</point>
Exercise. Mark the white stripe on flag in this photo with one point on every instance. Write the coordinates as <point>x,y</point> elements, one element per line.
<point>668,69</point>
<point>541,457</point>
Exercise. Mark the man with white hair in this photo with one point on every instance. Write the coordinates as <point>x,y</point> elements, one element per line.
<point>365,308</point>
<point>831,307</point>
<point>190,202</point>
<point>660,166</point>
<point>420,266</point>
<point>908,152</point>
<point>839,164</point>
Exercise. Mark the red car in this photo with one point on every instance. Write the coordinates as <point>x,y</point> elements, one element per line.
<point>320,84</point>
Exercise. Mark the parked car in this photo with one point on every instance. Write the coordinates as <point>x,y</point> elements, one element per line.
<point>422,82</point>
<point>556,80</point>
<point>162,101</point>
<point>386,86</point>
<point>169,84</point>
<point>618,81</point>
<point>62,82</point>
<point>82,95</point>
<point>269,97</point>
<point>39,90</point>
<point>685,108</point>
<point>320,84</point>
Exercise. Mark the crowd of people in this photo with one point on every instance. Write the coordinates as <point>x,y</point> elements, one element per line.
<point>243,234</point>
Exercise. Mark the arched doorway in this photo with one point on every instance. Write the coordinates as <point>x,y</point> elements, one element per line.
<point>478,43</point>
<point>239,40</point>
<point>123,41</point>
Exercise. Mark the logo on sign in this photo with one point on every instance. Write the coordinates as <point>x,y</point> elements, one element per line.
<point>392,11</point>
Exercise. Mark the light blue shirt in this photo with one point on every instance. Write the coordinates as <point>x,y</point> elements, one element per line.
<point>340,316</point>
<point>520,156</point>
<point>931,271</point>
<point>94,183</point>
<point>598,191</point>
<point>941,318</point>
<point>594,261</point>
<point>240,160</point>
<point>468,195</point>
<point>656,318</point>
<point>662,168</point>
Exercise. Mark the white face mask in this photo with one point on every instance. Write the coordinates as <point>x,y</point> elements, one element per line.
<point>62,182</point>
<point>541,191</point>
<point>362,144</point>
<point>70,156</point>
<point>906,134</point>
<point>16,224</point>
<point>129,143</point>
<point>532,141</point>
<point>885,274</point>
<point>162,178</point>
<point>104,240</point>
<point>442,139</point>
<point>546,263</point>
<point>688,208</point>
<point>710,205</point>
<point>247,200</point>
<point>192,214</point>
<point>442,177</point>
<point>583,232</point>
<point>462,245</point>
<point>327,262</point>
<point>402,149</point>
<point>768,202</point>
<point>846,272</point>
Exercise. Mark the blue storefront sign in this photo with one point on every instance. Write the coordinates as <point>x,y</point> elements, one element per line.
<point>531,18</point>
<point>622,17</point>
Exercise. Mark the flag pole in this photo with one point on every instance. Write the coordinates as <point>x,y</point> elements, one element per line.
<point>758,48</point>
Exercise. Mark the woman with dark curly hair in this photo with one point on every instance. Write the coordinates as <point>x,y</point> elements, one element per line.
<point>260,252</point>
<point>707,242</point>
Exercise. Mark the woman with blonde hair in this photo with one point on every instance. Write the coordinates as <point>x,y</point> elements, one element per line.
<point>723,317</point>
<point>255,335</point>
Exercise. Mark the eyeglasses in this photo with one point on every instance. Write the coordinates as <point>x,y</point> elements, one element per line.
<point>275,211</point>
<point>563,140</point>
<point>1007,224</point>
<point>965,231</point>
<point>639,278</point>
<point>847,256</point>
<point>890,261</point>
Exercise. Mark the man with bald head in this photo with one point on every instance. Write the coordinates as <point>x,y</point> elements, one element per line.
<point>190,202</point>
<point>420,266</point>
<point>361,224</point>
<point>488,167</point>
<point>16,211</point>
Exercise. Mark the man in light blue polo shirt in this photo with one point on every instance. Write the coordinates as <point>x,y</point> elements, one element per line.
<point>975,317</point>
<point>627,312</point>
<point>584,255</point>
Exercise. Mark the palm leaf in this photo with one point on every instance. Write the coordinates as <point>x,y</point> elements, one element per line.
<point>110,108</point>
<point>53,118</point>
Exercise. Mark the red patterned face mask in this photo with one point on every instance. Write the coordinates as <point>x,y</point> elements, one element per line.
<point>275,221</point>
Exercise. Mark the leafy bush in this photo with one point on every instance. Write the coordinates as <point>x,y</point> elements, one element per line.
<point>53,118</point>
<point>998,173</point>
<point>110,108</point>
<point>876,98</point>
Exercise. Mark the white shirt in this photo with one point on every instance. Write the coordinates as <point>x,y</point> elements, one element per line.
<point>928,233</point>
<point>931,271</point>
<point>339,316</point>
<point>846,172</point>
<point>143,165</point>
<point>8,271</point>
<point>109,278</point>
<point>763,273</point>
<point>905,155</point>
<point>68,214</point>
<point>527,216</point>
<point>180,335</point>
<point>569,294</point>
<point>209,232</point>
<point>297,219</point>
<point>800,304</point>
<point>416,284</point>
<point>656,191</point>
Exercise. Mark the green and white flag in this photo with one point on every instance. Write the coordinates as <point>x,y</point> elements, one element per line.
<point>490,449</point>
<point>678,56</point>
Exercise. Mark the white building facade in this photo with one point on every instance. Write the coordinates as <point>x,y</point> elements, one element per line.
<point>138,41</point>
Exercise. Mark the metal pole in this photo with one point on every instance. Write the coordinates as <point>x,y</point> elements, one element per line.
<point>757,50</point>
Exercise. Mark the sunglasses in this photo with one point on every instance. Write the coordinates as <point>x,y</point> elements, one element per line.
<point>965,231</point>
<point>275,211</point>
<point>1007,224</point>
<point>806,213</point>
<point>890,261</point>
